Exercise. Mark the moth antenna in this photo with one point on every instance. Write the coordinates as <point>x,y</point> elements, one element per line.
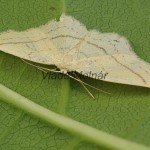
<point>77,79</point>
<point>45,70</point>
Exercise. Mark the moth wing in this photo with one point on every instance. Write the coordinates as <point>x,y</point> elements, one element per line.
<point>123,68</point>
<point>45,44</point>
<point>109,57</point>
<point>32,45</point>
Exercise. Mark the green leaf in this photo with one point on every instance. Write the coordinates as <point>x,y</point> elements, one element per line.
<point>124,113</point>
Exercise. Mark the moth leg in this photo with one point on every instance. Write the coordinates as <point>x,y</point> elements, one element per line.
<point>78,45</point>
<point>84,86</point>
<point>92,86</point>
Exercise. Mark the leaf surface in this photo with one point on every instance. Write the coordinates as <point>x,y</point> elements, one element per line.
<point>125,113</point>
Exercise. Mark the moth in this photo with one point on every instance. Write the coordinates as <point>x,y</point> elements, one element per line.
<point>68,45</point>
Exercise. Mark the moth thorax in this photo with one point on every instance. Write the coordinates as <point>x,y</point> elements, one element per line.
<point>64,71</point>
<point>64,64</point>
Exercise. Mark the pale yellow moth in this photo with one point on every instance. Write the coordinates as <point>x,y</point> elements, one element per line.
<point>71,47</point>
